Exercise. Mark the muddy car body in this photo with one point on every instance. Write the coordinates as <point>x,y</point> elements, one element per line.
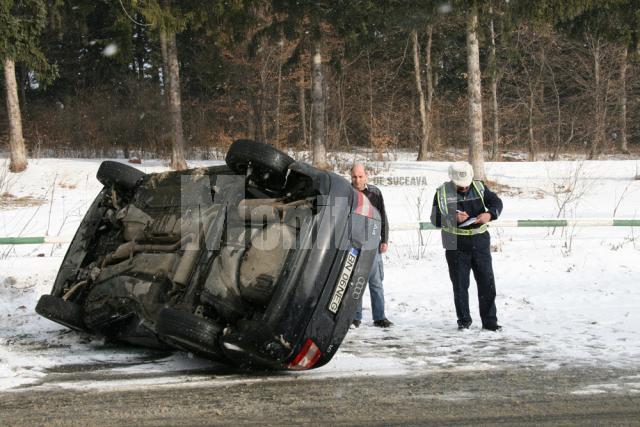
<point>260,262</point>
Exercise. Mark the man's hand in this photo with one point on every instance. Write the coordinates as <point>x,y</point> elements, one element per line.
<point>483,218</point>
<point>383,247</point>
<point>462,216</point>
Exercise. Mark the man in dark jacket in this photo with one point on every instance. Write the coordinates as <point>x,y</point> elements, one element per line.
<point>462,208</point>
<point>359,180</point>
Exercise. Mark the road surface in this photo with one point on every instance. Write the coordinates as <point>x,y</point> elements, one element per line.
<point>515,396</point>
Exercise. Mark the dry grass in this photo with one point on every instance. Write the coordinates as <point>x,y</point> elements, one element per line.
<point>9,201</point>
<point>67,185</point>
<point>506,190</point>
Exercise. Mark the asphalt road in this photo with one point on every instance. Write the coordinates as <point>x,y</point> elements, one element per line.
<point>521,396</point>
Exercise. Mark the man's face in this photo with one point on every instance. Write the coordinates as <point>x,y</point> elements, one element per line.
<point>358,178</point>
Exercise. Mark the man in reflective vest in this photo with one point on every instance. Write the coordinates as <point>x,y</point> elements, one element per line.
<point>462,208</point>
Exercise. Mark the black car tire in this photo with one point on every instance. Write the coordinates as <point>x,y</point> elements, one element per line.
<point>188,331</point>
<point>115,173</point>
<point>269,166</point>
<point>61,311</point>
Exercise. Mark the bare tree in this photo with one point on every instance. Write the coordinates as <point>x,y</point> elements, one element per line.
<point>302,105</point>
<point>317,110</point>
<point>600,91</point>
<point>534,86</point>
<point>623,100</point>
<point>17,150</point>
<point>424,105</point>
<point>476,152</point>
<point>372,122</point>
<point>559,143</point>
<point>493,68</point>
<point>429,73</point>
<point>279,90</point>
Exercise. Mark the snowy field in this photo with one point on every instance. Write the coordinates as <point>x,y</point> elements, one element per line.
<point>566,297</point>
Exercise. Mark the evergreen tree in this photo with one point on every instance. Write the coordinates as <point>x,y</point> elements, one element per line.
<point>21,23</point>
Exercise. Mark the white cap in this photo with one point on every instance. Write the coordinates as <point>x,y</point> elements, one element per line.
<point>461,173</point>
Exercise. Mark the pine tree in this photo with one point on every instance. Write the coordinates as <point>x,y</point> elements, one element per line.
<point>21,23</point>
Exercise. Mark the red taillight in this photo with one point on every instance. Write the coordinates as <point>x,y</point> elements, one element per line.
<point>364,206</point>
<point>308,356</point>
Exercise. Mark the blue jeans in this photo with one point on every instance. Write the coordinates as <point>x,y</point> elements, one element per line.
<point>376,276</point>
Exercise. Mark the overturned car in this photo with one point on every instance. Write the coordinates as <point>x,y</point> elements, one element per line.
<point>258,263</point>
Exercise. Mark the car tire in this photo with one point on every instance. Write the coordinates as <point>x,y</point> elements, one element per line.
<point>189,332</point>
<point>269,166</point>
<point>115,173</point>
<point>61,311</point>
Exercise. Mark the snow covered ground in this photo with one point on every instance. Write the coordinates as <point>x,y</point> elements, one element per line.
<point>566,297</point>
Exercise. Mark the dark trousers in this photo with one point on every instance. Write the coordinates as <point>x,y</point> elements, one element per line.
<point>478,260</point>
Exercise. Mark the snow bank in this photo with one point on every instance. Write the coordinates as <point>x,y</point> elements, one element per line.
<point>565,297</point>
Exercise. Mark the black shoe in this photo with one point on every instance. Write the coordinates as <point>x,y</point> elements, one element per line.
<point>356,323</point>
<point>463,325</point>
<point>493,328</point>
<point>383,323</point>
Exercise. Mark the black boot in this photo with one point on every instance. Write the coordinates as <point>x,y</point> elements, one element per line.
<point>464,324</point>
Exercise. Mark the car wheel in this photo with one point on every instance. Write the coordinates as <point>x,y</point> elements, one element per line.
<point>188,331</point>
<point>119,174</point>
<point>61,311</point>
<point>269,166</point>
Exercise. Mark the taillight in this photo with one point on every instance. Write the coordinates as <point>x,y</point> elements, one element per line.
<point>308,356</point>
<point>364,206</point>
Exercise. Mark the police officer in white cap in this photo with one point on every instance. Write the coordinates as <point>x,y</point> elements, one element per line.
<point>462,207</point>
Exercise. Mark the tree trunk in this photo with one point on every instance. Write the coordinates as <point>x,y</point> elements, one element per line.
<point>252,118</point>
<point>262,115</point>
<point>175,108</point>
<point>317,110</point>
<point>278,93</point>
<point>261,109</point>
<point>429,72</point>
<point>342,128</point>
<point>623,101</point>
<point>423,148</point>
<point>558,134</point>
<point>476,155</point>
<point>371,119</point>
<point>599,110</point>
<point>532,140</point>
<point>302,104</point>
<point>17,151</point>
<point>494,90</point>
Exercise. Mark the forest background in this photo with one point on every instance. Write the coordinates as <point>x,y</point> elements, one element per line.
<point>183,79</point>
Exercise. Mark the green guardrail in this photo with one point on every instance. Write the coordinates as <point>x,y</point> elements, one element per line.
<point>626,222</point>
<point>525,223</point>
<point>519,223</point>
<point>22,240</point>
